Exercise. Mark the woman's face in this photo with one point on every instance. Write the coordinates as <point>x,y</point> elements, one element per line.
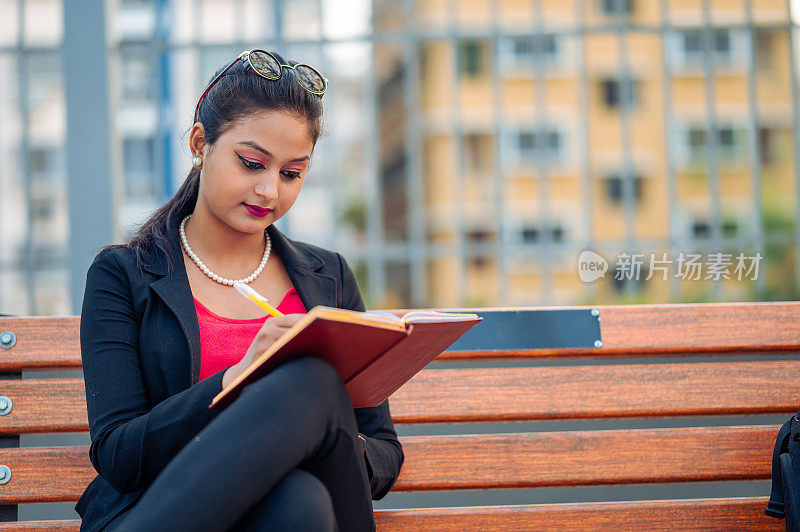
<point>254,172</point>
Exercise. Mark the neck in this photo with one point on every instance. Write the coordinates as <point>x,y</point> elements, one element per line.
<point>223,249</point>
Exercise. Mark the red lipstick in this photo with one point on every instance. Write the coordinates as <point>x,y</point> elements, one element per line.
<point>256,211</point>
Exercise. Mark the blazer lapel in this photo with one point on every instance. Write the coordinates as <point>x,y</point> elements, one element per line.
<point>302,265</point>
<point>174,290</point>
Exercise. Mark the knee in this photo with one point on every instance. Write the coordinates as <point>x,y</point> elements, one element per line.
<point>308,381</point>
<point>313,370</point>
<point>317,375</point>
<point>300,501</point>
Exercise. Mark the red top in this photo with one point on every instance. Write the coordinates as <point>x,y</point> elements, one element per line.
<point>224,341</point>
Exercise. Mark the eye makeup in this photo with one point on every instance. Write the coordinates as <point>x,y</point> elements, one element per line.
<point>291,174</point>
<point>250,164</point>
<point>258,166</point>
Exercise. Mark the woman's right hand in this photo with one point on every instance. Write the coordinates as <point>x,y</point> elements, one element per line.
<point>269,333</point>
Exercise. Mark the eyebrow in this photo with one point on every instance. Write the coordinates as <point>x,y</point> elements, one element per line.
<point>255,146</point>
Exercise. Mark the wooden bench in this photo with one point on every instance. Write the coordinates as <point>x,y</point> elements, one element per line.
<point>749,366</point>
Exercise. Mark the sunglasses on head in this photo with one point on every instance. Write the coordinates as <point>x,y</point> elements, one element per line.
<point>267,66</point>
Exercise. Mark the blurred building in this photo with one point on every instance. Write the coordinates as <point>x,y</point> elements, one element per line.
<point>161,55</point>
<point>474,147</point>
<point>546,128</point>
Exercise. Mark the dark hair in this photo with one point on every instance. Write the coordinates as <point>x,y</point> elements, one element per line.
<point>235,95</point>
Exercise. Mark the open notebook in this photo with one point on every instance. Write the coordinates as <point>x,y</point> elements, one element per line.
<point>375,352</point>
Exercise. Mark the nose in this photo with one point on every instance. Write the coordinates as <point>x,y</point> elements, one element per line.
<point>268,187</point>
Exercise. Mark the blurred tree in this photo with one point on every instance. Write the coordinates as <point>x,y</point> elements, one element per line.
<point>359,268</point>
<point>779,263</point>
<point>354,215</point>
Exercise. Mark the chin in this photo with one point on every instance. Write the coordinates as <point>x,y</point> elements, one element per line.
<point>254,224</point>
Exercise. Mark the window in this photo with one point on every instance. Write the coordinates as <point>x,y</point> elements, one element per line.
<point>726,138</point>
<point>477,151</point>
<point>766,144</point>
<point>532,234</point>
<point>722,41</point>
<point>44,163</point>
<point>139,155</point>
<point>138,73</point>
<point>547,143</point>
<point>614,7</point>
<point>527,142</point>
<point>526,52</point>
<point>730,228</point>
<point>479,235</point>
<point>139,164</point>
<point>472,57</point>
<point>701,229</point>
<point>44,72</point>
<point>523,47</point>
<point>614,187</point>
<point>619,92</point>
<point>693,45</point>
<point>764,48</point>
<point>730,142</point>
<point>693,42</point>
<point>697,138</point>
<point>42,209</point>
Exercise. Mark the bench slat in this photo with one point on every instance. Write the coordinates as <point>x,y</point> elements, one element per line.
<point>586,458</point>
<point>700,327</point>
<point>43,342</point>
<point>66,471</point>
<point>706,514</point>
<point>44,405</point>
<point>502,394</point>
<point>66,525</point>
<point>485,461</point>
<point>520,394</point>
<point>695,514</point>
<point>677,329</point>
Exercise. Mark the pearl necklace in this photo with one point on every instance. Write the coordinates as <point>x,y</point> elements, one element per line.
<point>214,276</point>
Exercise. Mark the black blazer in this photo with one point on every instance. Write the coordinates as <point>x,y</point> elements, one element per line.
<point>140,346</point>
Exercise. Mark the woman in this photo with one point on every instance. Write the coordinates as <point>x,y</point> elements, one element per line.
<point>163,331</point>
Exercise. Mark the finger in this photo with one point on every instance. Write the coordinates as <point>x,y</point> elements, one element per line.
<point>282,326</point>
<point>287,319</point>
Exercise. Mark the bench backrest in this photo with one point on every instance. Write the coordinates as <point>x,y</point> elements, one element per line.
<point>748,366</point>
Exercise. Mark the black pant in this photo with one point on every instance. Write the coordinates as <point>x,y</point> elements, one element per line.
<point>284,455</point>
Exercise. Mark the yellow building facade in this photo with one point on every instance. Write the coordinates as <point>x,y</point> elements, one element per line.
<point>536,117</point>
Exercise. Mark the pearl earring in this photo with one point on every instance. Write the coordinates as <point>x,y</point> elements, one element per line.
<point>196,160</point>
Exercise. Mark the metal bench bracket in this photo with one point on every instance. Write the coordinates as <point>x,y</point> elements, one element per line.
<point>503,330</point>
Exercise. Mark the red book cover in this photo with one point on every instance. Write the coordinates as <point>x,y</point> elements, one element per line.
<point>374,354</point>
<point>386,374</point>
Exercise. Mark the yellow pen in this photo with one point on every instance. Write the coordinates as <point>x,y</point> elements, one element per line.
<point>256,298</point>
